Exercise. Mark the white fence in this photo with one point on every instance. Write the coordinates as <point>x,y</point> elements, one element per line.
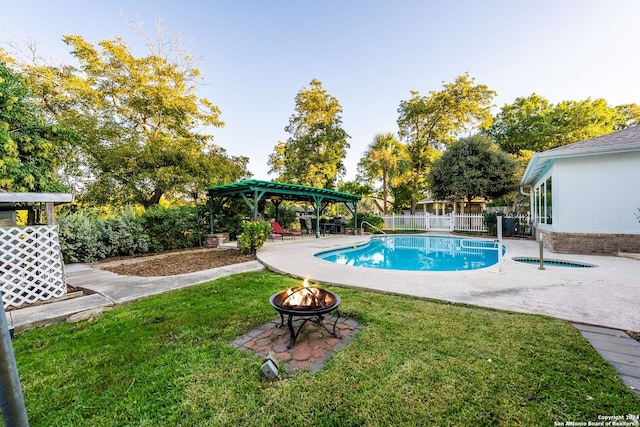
<point>430,222</point>
<point>31,267</point>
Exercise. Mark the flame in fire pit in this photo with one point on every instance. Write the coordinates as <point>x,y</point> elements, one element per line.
<point>307,296</point>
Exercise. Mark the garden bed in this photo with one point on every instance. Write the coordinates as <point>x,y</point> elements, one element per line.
<point>172,263</point>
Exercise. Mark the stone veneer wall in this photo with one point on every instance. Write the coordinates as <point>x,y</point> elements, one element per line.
<point>214,240</point>
<point>590,243</point>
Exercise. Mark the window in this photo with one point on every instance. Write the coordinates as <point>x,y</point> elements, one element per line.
<point>548,204</point>
<point>543,203</point>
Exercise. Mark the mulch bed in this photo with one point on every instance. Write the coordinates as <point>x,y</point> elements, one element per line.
<point>173,263</point>
<point>634,335</point>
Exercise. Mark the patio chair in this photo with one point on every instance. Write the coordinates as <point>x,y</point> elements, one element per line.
<point>313,227</point>
<point>304,227</point>
<point>277,228</point>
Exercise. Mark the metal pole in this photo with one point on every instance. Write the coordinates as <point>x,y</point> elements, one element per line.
<point>499,218</point>
<point>14,412</point>
<point>541,252</point>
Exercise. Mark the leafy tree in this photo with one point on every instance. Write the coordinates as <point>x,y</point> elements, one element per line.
<point>386,159</point>
<point>31,149</point>
<point>473,167</point>
<point>430,123</point>
<point>141,119</point>
<point>518,125</point>
<point>313,155</point>
<point>535,124</point>
<point>357,188</point>
<point>632,114</point>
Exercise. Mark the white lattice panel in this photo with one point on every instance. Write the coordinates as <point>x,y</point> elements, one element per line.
<point>31,267</point>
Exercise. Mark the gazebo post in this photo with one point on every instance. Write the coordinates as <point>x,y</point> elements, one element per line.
<point>211,213</point>
<point>355,220</point>
<point>276,200</point>
<point>317,219</point>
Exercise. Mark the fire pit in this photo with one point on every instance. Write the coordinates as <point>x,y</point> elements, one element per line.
<point>308,302</point>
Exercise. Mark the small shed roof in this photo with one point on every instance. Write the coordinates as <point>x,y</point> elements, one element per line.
<point>622,141</point>
<point>56,198</point>
<point>269,189</point>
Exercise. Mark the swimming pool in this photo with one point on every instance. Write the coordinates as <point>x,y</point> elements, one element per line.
<point>418,253</point>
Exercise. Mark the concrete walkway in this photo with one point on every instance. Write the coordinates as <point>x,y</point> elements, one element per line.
<point>108,289</point>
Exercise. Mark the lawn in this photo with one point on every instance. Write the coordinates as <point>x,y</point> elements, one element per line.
<point>166,361</point>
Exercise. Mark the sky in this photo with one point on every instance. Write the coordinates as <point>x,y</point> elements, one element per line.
<point>369,54</point>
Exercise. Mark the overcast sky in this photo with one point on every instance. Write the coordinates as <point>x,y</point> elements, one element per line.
<point>369,54</point>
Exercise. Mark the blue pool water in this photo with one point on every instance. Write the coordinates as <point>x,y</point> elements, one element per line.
<point>418,253</point>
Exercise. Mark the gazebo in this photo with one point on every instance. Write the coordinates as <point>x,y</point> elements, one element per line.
<point>253,191</point>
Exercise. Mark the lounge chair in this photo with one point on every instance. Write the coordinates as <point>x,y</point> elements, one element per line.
<point>277,228</point>
<point>274,236</point>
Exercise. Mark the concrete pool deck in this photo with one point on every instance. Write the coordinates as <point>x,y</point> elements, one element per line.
<point>607,295</point>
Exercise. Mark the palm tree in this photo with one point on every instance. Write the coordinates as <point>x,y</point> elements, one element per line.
<point>385,159</point>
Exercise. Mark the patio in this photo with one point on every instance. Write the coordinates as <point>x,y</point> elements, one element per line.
<point>603,296</point>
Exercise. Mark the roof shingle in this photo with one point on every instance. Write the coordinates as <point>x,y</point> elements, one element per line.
<point>615,139</point>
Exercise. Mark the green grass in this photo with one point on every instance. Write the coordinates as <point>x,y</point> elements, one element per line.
<point>166,361</point>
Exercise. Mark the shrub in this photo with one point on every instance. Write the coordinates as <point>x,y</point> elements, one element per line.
<point>124,234</point>
<point>253,236</point>
<point>229,218</point>
<point>81,238</point>
<point>490,221</point>
<point>171,228</point>
<point>374,220</point>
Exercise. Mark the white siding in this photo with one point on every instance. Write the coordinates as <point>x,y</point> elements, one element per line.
<point>597,194</point>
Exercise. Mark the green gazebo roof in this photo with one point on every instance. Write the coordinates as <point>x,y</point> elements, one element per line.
<point>269,189</point>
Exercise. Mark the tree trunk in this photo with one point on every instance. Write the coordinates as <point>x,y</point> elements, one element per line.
<point>154,199</point>
<point>384,190</point>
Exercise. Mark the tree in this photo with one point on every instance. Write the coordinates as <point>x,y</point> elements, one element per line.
<point>354,187</point>
<point>632,114</point>
<point>313,155</point>
<point>31,150</point>
<point>142,121</point>
<point>518,125</point>
<point>430,123</point>
<point>473,167</point>
<point>386,159</point>
<point>535,124</point>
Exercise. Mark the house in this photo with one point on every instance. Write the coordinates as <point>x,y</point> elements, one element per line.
<point>585,196</point>
<point>445,207</point>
